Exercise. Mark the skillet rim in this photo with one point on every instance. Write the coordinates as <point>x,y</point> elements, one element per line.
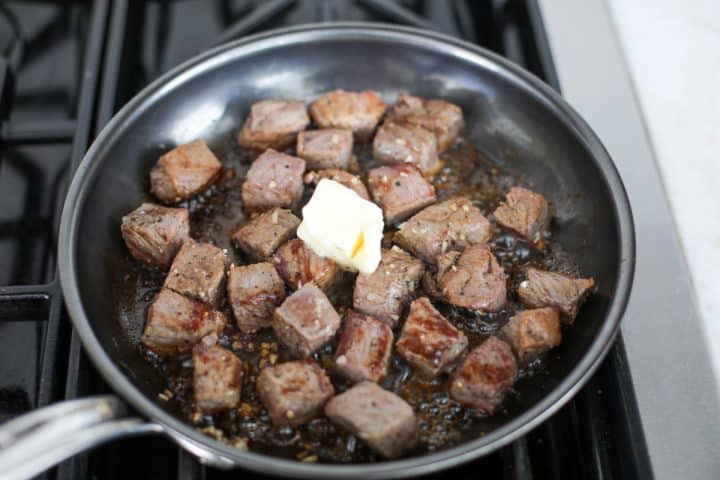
<point>195,441</point>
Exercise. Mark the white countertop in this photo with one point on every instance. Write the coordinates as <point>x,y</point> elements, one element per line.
<point>672,50</point>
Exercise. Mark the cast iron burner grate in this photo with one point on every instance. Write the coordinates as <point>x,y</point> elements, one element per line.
<point>64,70</point>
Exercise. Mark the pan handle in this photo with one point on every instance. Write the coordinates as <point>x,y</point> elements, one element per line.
<point>34,442</point>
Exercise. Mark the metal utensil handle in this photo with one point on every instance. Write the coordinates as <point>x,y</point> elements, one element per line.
<point>34,442</point>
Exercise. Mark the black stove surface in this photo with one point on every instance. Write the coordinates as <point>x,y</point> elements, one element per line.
<point>66,67</point>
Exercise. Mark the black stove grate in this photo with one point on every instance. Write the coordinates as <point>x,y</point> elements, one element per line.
<point>64,70</point>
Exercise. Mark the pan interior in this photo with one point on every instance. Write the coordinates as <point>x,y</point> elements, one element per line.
<point>512,124</point>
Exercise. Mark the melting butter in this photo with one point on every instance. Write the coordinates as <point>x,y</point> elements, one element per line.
<point>340,225</point>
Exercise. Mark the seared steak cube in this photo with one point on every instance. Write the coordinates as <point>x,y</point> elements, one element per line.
<point>154,234</point>
<point>356,111</point>
<point>294,392</point>
<point>400,190</point>
<point>198,271</point>
<point>329,148</point>
<point>485,376</point>
<point>273,124</point>
<point>184,171</point>
<point>406,143</point>
<point>297,264</point>
<point>380,418</point>
<point>261,236</point>
<point>385,292</point>
<point>363,351</point>
<point>450,225</point>
<point>217,377</point>
<point>429,342</point>
<point>254,291</point>
<point>475,281</point>
<point>274,180</point>
<point>175,323</point>
<point>443,118</point>
<point>549,289</point>
<point>305,321</point>
<point>533,332</point>
<point>524,211</point>
<point>342,177</point>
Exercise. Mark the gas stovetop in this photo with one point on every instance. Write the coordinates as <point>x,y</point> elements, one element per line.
<point>66,68</point>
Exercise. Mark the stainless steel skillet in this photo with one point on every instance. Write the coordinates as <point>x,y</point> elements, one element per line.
<point>514,117</point>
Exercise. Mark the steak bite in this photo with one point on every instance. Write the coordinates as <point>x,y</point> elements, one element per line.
<point>549,289</point>
<point>274,180</point>
<point>363,351</point>
<point>342,177</point>
<point>154,234</point>
<point>385,292</point>
<point>443,118</point>
<point>533,332</point>
<point>273,124</point>
<point>198,271</point>
<point>356,111</point>
<point>380,418</point>
<point>525,212</point>
<point>305,321</point>
<point>429,342</point>
<point>406,143</point>
<point>294,392</point>
<point>453,224</point>
<point>297,264</point>
<point>475,281</point>
<point>329,148</point>
<point>183,172</point>
<point>254,291</point>
<point>400,190</point>
<point>217,376</point>
<point>485,376</point>
<point>175,323</point>
<point>261,236</point>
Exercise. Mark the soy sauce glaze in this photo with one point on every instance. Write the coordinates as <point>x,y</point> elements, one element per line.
<point>443,422</point>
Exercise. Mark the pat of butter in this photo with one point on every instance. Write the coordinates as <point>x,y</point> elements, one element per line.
<point>340,225</point>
